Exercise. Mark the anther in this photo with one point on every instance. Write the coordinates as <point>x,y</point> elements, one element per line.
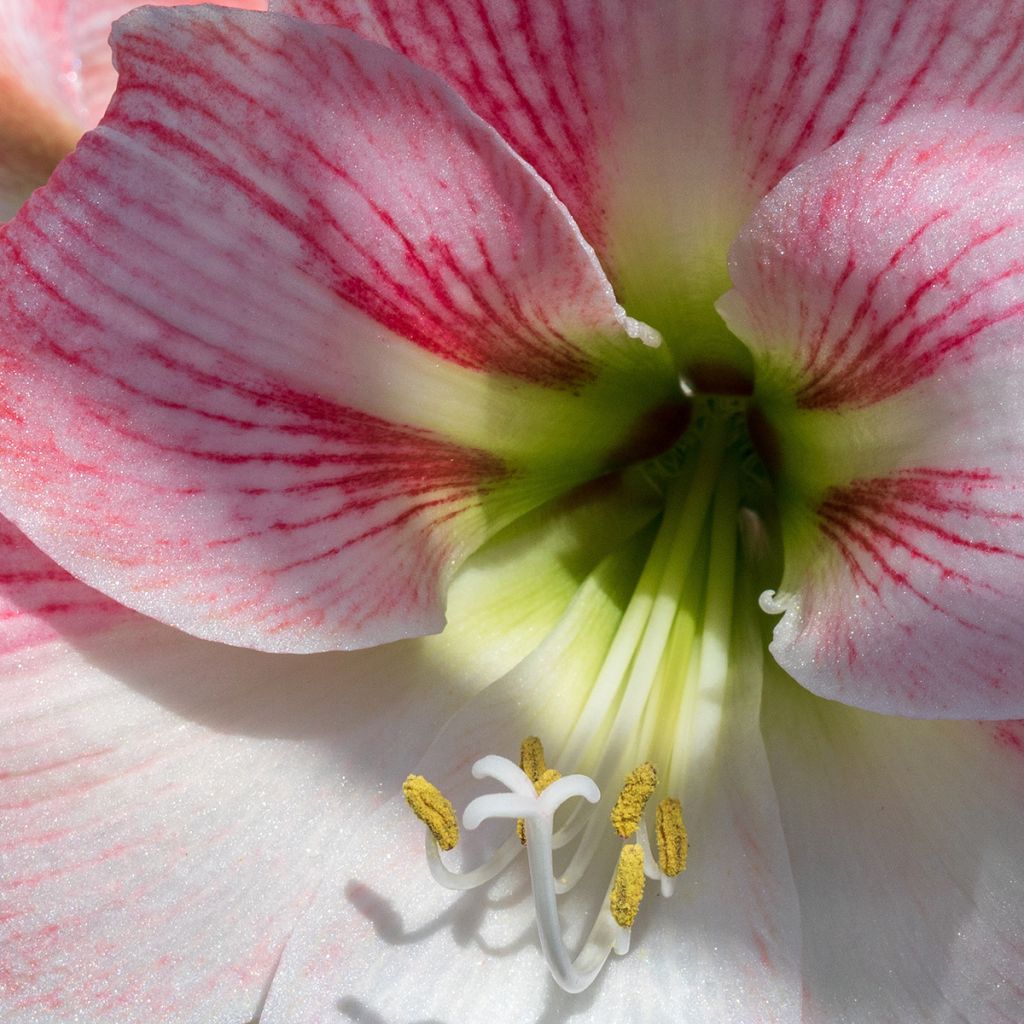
<point>636,790</point>
<point>434,809</point>
<point>672,841</point>
<point>548,776</point>
<point>531,758</point>
<point>628,885</point>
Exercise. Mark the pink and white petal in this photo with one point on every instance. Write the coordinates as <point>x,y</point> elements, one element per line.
<point>384,942</point>
<point>293,349</point>
<point>906,843</point>
<point>661,123</point>
<point>881,290</point>
<point>168,805</point>
<point>195,791</point>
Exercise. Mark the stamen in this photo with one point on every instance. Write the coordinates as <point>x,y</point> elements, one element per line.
<point>531,758</point>
<point>533,804</point>
<point>659,692</point>
<point>547,777</point>
<point>628,886</point>
<point>434,809</point>
<point>633,797</point>
<point>672,841</point>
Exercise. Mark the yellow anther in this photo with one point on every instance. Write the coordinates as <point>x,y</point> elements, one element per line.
<point>628,886</point>
<point>636,790</point>
<point>548,776</point>
<point>672,841</point>
<point>531,758</point>
<point>434,809</point>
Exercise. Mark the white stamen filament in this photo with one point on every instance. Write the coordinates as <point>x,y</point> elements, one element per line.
<point>698,720</point>
<point>637,652</point>
<point>464,880</point>
<point>651,869</point>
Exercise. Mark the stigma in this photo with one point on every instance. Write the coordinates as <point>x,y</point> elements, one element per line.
<point>549,812</point>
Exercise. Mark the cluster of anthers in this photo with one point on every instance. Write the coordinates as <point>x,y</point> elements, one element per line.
<point>534,795</point>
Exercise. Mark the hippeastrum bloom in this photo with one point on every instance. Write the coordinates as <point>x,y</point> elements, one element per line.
<point>55,80</point>
<point>597,326</point>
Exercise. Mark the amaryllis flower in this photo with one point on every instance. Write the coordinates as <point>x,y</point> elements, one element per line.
<point>613,332</point>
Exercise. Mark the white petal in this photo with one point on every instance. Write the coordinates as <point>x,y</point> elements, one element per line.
<point>906,840</point>
<point>168,805</point>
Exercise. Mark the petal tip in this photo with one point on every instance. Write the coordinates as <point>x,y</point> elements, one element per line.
<point>649,335</point>
<point>733,310</point>
<point>774,603</point>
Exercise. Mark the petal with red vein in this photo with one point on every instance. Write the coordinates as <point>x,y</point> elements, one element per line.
<point>168,805</point>
<point>292,332</point>
<point>906,845</point>
<point>881,289</point>
<point>661,123</point>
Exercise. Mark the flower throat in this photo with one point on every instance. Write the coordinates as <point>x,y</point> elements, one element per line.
<point>651,717</point>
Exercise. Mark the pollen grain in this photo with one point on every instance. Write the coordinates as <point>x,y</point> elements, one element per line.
<point>671,833</point>
<point>628,885</point>
<point>633,796</point>
<point>531,758</point>
<point>434,809</point>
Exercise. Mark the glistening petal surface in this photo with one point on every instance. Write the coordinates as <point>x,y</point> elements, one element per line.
<point>323,331</point>
<point>167,805</point>
<point>906,848</point>
<point>660,123</point>
<point>881,289</point>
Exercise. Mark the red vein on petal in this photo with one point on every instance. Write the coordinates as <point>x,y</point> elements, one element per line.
<point>485,342</point>
<point>889,513</point>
